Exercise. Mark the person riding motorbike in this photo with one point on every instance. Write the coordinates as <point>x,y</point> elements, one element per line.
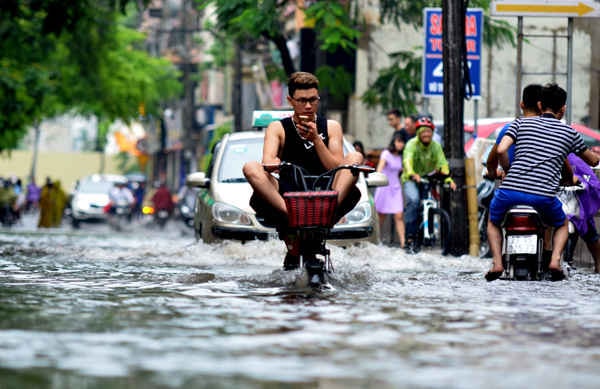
<point>541,145</point>
<point>162,198</point>
<point>422,155</point>
<point>120,194</point>
<point>308,140</point>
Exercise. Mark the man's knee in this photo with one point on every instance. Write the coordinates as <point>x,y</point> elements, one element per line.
<point>253,171</point>
<point>353,158</point>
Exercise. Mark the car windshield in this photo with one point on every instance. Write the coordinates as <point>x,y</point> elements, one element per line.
<point>95,186</point>
<point>235,155</point>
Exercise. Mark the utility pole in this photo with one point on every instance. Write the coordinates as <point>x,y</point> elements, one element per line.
<point>453,41</point>
<point>188,108</point>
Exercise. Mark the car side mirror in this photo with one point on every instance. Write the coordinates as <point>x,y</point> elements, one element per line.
<point>376,179</point>
<point>197,180</point>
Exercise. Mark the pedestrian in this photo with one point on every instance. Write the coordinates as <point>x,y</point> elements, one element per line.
<point>358,146</point>
<point>33,195</point>
<point>542,144</point>
<point>388,199</point>
<point>409,130</point>
<point>46,204</point>
<point>60,201</point>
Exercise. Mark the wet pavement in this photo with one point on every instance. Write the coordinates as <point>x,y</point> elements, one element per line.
<point>92,308</point>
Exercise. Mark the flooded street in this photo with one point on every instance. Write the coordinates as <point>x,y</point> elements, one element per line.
<point>92,308</point>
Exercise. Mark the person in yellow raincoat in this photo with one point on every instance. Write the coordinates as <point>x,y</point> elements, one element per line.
<point>46,204</point>
<point>60,200</point>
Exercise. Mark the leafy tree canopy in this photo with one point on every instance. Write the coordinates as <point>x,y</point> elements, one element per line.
<point>338,25</point>
<point>62,55</point>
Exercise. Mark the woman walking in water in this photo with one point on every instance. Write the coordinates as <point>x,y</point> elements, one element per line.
<point>388,199</point>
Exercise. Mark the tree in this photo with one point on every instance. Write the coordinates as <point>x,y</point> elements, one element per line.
<point>62,55</point>
<point>339,25</point>
<point>397,86</point>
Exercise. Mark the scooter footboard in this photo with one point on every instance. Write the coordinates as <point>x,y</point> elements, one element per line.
<point>311,209</point>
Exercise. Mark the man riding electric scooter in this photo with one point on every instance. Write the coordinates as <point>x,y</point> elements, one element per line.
<point>308,140</point>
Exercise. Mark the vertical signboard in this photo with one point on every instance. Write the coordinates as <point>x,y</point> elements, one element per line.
<point>433,69</point>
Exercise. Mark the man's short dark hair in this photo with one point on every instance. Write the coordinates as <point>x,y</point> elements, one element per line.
<point>553,97</point>
<point>396,112</point>
<point>302,80</point>
<point>531,96</point>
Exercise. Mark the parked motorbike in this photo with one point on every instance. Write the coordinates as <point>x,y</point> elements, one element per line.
<point>522,244</point>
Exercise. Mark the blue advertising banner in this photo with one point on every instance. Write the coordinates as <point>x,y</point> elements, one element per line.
<point>433,68</point>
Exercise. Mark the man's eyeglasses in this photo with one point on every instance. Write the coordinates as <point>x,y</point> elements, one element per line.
<point>310,100</point>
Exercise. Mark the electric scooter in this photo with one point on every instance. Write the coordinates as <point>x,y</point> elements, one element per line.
<point>311,215</point>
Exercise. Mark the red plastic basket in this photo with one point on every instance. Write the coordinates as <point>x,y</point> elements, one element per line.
<point>311,209</point>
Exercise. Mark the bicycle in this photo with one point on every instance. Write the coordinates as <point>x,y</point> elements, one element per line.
<point>434,222</point>
<point>311,215</point>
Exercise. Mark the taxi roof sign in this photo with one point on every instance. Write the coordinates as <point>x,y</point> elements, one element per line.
<point>262,119</point>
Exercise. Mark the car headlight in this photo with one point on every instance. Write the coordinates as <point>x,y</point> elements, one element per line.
<point>359,214</point>
<point>226,213</point>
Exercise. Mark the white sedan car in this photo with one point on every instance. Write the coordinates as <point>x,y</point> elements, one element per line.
<point>223,210</point>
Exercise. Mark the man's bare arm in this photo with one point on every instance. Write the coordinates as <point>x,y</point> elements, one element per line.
<point>272,144</point>
<point>590,157</point>
<point>505,144</point>
<point>492,162</point>
<point>333,154</point>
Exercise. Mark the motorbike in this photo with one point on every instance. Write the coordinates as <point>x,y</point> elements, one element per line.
<point>311,215</point>
<point>568,197</point>
<point>523,244</point>
<point>186,206</point>
<point>119,214</point>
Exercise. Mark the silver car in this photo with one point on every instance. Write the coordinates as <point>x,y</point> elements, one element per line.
<point>90,196</point>
<point>223,210</point>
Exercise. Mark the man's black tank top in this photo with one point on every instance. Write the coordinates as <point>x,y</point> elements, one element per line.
<point>300,152</point>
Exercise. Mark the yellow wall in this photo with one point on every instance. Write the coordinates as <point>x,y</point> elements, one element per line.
<point>66,167</point>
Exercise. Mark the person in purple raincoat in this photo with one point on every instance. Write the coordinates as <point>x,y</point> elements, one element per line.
<point>589,204</point>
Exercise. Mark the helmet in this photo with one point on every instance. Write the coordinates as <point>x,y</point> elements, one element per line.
<point>485,189</point>
<point>424,121</point>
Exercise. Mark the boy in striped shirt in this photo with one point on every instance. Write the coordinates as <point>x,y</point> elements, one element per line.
<point>541,145</point>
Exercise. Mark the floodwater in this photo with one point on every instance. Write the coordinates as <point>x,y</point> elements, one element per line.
<point>149,309</point>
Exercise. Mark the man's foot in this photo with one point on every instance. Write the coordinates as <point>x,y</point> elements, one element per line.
<point>411,247</point>
<point>493,275</point>
<point>557,275</point>
<point>291,262</point>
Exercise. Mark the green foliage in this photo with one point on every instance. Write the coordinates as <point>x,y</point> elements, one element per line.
<point>71,55</point>
<point>397,85</point>
<point>337,81</point>
<point>218,134</point>
<point>335,27</point>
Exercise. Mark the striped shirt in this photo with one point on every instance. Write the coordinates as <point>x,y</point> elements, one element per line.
<point>541,147</point>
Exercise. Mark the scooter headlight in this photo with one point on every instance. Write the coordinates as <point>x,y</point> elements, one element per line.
<point>359,214</point>
<point>225,213</point>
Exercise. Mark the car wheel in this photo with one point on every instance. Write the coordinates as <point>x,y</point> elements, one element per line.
<point>75,223</point>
